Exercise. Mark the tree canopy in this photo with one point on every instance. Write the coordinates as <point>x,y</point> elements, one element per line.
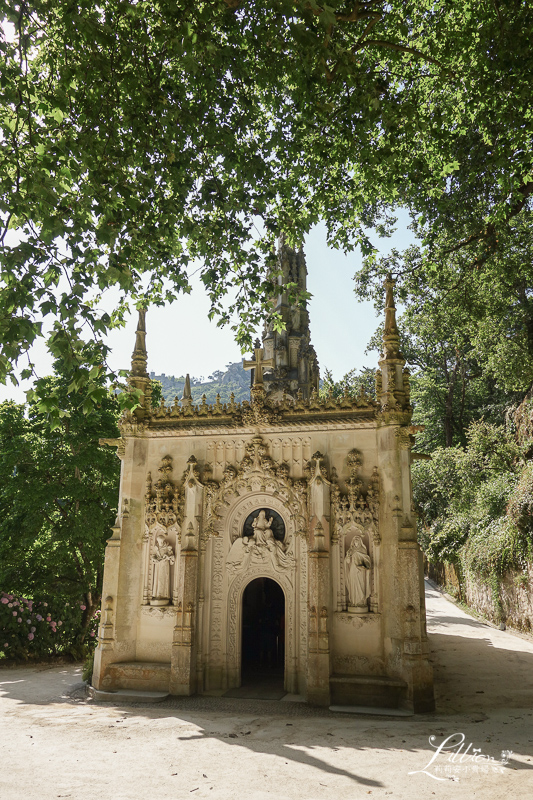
<point>138,137</point>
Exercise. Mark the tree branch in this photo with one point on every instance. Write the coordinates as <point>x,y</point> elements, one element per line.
<point>526,190</point>
<point>401,48</point>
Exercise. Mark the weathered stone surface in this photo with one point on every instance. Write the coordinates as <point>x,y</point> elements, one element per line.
<point>313,494</point>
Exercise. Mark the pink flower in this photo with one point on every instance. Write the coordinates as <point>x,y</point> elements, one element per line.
<point>92,633</point>
<point>30,636</point>
<point>6,644</point>
<point>45,604</point>
<point>10,605</point>
<point>39,618</point>
<point>19,619</point>
<point>5,600</point>
<point>33,630</point>
<point>15,613</point>
<point>83,608</point>
<point>48,618</point>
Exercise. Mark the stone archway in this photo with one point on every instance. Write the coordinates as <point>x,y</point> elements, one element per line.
<point>226,579</point>
<point>235,622</point>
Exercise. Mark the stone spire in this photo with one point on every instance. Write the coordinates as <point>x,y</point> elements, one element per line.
<point>391,339</point>
<point>392,381</point>
<point>187,394</point>
<point>139,358</point>
<point>139,377</point>
<point>295,365</point>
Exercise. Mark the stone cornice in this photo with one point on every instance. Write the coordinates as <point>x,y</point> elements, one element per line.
<point>263,414</point>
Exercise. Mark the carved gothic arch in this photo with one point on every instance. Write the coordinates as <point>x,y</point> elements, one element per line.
<point>234,624</point>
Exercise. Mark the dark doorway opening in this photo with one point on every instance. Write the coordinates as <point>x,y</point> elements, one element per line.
<point>263,635</point>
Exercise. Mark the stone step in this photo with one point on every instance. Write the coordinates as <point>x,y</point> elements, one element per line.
<point>374,710</point>
<point>138,675</point>
<point>128,696</point>
<point>366,691</point>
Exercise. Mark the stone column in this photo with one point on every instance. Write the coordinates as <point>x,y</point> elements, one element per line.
<point>183,659</point>
<point>106,632</point>
<point>122,586</point>
<point>416,667</point>
<point>319,587</point>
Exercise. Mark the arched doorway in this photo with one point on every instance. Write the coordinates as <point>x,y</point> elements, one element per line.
<point>263,635</point>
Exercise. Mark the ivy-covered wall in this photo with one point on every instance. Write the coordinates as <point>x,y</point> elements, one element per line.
<point>476,518</point>
<point>507,599</point>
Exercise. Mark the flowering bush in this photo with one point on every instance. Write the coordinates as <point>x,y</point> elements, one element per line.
<point>39,628</point>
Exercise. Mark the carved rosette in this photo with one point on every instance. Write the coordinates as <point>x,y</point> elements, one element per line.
<point>163,517</point>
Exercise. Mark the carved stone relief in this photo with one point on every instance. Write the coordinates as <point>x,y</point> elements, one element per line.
<point>357,575</point>
<point>256,473</point>
<point>259,544</point>
<point>162,537</point>
<point>162,560</point>
<point>355,516</point>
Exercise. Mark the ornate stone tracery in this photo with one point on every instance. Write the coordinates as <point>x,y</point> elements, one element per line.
<point>256,473</point>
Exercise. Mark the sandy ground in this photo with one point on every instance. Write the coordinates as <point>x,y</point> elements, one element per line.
<point>54,745</point>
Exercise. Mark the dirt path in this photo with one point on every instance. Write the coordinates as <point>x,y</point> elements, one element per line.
<point>54,746</point>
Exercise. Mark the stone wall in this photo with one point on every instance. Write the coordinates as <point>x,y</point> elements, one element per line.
<point>510,601</point>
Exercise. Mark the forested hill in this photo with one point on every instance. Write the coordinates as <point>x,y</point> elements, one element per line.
<point>234,379</point>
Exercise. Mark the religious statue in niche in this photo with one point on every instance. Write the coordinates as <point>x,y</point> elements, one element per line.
<point>162,558</point>
<point>262,525</point>
<point>262,539</point>
<point>357,575</point>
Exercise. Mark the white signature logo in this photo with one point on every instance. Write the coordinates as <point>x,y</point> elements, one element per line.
<point>457,758</point>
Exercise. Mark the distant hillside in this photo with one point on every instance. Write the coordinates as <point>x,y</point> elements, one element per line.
<point>234,379</point>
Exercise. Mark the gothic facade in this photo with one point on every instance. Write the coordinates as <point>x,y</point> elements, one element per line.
<point>311,493</point>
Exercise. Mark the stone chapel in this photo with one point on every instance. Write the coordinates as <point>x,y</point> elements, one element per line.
<point>272,537</point>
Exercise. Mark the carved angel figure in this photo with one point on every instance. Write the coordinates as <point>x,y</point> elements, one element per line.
<point>357,574</point>
<point>162,557</point>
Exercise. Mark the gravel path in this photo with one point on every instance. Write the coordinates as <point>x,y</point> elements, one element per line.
<point>55,743</point>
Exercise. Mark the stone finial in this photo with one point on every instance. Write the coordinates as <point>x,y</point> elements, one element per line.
<point>187,394</point>
<point>392,388</point>
<point>391,339</point>
<point>139,358</point>
<point>139,377</point>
